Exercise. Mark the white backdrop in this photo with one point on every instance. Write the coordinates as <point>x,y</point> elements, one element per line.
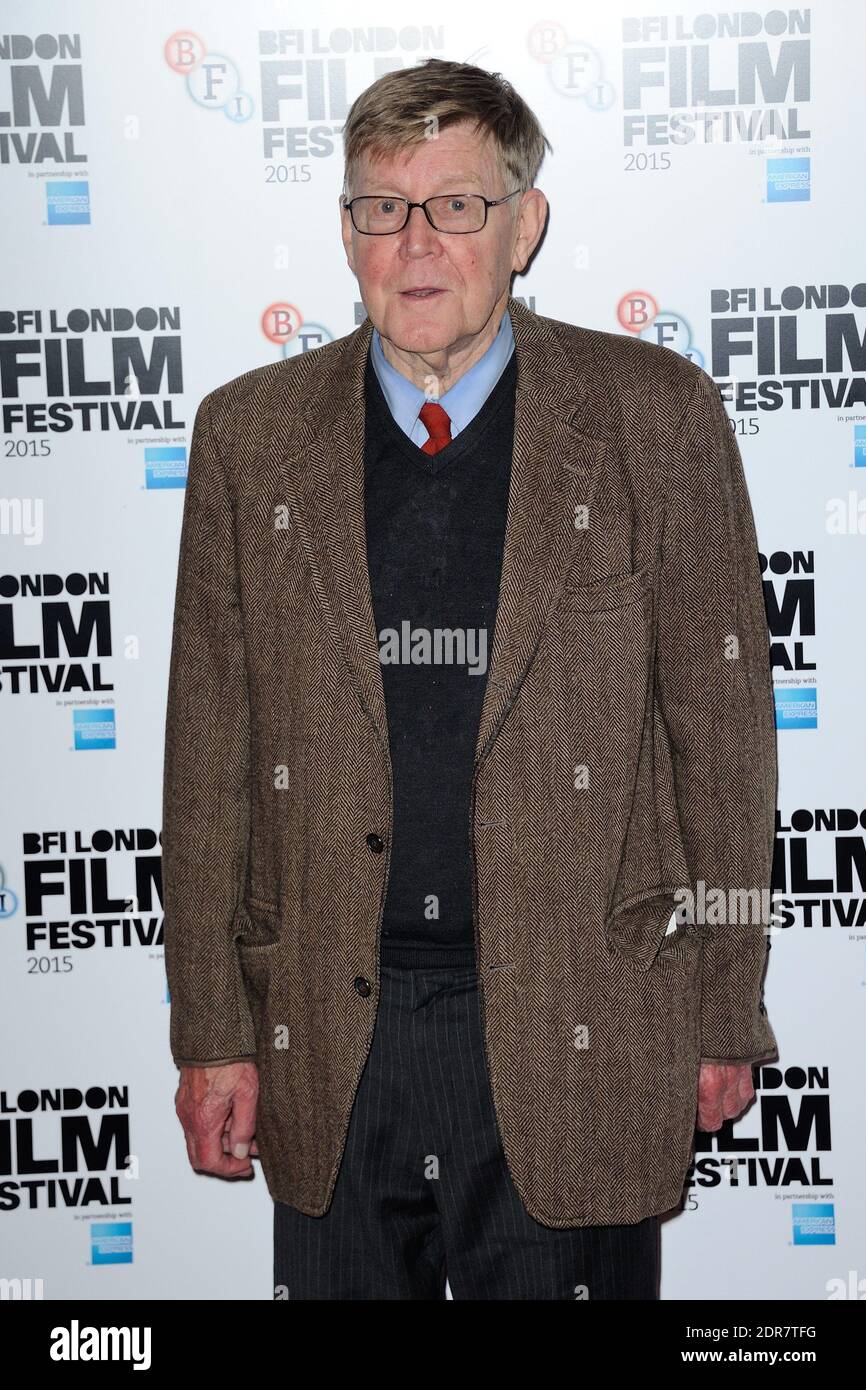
<point>170,176</point>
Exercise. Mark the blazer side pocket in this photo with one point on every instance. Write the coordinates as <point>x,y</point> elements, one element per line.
<point>618,591</point>
<point>256,925</point>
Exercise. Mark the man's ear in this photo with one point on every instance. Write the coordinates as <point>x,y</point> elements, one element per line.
<point>533,216</point>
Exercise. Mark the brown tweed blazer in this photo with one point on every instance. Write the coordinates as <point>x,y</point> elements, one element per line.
<point>626,749</point>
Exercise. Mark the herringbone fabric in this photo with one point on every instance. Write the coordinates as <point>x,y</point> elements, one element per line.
<point>626,749</point>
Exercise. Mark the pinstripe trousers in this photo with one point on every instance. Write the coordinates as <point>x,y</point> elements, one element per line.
<point>424,1193</point>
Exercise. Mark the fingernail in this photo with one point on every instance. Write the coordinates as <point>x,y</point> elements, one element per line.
<point>241,1150</point>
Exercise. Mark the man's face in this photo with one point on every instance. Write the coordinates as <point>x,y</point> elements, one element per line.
<point>470,273</point>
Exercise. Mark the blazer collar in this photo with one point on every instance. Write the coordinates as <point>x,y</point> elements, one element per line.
<point>556,463</point>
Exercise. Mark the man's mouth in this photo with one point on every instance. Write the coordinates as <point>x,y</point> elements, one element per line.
<point>420,294</point>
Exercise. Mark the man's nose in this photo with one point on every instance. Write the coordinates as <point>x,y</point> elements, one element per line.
<point>417,231</point>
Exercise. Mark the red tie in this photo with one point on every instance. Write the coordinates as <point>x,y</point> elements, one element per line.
<point>437,424</point>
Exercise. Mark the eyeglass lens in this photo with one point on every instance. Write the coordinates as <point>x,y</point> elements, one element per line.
<point>450,212</point>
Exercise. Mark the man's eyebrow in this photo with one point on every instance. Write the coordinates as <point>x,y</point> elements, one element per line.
<point>464,177</point>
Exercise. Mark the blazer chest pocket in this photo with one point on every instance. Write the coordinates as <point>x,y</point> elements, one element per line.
<point>604,595</point>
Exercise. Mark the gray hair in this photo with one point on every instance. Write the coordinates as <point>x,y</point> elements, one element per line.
<point>401,108</point>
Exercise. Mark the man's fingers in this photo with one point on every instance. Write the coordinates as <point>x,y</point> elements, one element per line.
<point>724,1091</point>
<point>710,1087</point>
<point>745,1085</point>
<point>207,1153</point>
<point>242,1121</point>
<point>211,1158</point>
<point>216,1107</point>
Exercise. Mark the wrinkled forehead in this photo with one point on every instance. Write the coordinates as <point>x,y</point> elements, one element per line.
<point>459,160</point>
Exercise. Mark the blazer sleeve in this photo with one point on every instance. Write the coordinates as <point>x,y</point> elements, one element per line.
<point>206,776</point>
<point>715,690</point>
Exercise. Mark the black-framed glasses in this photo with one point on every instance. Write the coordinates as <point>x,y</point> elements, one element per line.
<point>455,213</point>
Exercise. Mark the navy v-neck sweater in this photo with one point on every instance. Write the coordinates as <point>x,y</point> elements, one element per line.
<point>435,535</point>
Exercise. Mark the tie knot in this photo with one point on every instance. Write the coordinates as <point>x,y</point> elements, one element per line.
<point>437,423</point>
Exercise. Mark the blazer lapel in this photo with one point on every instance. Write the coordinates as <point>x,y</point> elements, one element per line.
<point>324,481</point>
<point>554,470</point>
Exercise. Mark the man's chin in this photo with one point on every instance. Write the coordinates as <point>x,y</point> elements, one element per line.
<point>419,327</point>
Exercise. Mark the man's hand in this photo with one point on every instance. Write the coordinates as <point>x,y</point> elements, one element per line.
<point>724,1091</point>
<point>217,1108</point>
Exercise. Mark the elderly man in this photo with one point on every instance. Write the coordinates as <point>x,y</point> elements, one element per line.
<point>469,705</point>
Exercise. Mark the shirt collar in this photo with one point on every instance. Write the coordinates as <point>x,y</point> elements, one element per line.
<point>462,401</point>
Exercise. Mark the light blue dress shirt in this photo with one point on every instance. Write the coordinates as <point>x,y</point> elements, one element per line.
<point>461,402</point>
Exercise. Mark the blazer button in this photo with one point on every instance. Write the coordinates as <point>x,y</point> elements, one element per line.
<point>362,986</point>
<point>375,843</point>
